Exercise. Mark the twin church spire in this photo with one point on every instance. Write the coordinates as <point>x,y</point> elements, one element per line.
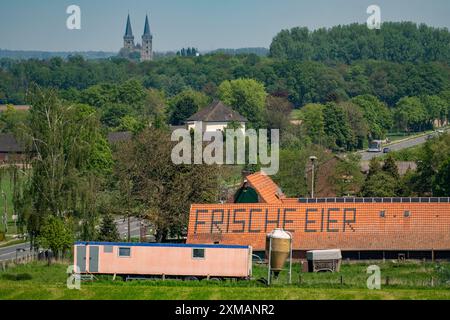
<point>146,49</point>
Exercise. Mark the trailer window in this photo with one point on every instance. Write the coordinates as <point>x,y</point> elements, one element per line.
<point>108,249</point>
<point>198,254</point>
<point>124,252</point>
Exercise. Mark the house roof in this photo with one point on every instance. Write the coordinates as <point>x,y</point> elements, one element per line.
<point>217,112</point>
<point>268,190</point>
<point>116,137</point>
<point>9,144</point>
<point>404,226</point>
<point>403,166</point>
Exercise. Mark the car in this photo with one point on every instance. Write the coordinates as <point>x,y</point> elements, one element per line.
<point>386,150</point>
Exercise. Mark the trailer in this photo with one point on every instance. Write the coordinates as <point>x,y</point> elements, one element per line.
<point>165,261</point>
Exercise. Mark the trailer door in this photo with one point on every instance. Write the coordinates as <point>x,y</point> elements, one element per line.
<point>81,258</point>
<point>93,259</point>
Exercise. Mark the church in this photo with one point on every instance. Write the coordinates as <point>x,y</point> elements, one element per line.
<point>142,52</point>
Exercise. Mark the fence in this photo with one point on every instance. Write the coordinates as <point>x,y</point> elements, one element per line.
<point>402,275</point>
<point>22,259</point>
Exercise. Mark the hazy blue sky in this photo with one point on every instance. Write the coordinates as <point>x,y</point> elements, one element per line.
<point>205,24</point>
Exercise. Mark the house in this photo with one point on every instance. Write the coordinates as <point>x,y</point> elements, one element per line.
<point>10,148</point>
<point>216,117</point>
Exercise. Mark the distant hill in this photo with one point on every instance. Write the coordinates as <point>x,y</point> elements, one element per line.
<point>258,51</point>
<point>44,55</point>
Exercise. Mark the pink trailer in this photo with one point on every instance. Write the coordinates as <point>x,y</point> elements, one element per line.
<point>164,260</point>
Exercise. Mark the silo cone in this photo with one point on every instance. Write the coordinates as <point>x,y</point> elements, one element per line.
<point>281,249</point>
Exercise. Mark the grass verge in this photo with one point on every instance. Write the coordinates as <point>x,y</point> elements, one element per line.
<point>407,281</point>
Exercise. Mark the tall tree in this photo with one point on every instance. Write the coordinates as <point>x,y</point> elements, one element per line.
<point>347,177</point>
<point>68,157</point>
<point>185,104</point>
<point>246,96</point>
<point>377,115</point>
<point>441,181</point>
<point>314,123</point>
<point>108,230</point>
<point>159,190</point>
<point>410,114</point>
<point>337,127</point>
<point>390,167</point>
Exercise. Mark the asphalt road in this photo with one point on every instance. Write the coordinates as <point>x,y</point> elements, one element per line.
<point>23,249</point>
<point>366,156</point>
<point>135,227</point>
<point>10,252</point>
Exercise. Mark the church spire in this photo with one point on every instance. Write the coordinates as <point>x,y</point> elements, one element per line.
<point>129,30</point>
<point>147,43</point>
<point>147,27</point>
<point>128,38</point>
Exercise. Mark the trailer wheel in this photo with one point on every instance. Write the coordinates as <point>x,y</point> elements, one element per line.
<point>191,279</point>
<point>215,280</point>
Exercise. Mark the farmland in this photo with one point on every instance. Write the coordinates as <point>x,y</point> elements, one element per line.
<point>402,281</point>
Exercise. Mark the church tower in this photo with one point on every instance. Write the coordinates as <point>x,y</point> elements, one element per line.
<point>128,38</point>
<point>147,43</point>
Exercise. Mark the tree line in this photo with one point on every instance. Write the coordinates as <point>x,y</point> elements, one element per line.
<point>395,41</point>
<point>302,82</point>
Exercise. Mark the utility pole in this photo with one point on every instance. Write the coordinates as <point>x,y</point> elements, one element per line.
<point>5,213</point>
<point>129,226</point>
<point>313,163</point>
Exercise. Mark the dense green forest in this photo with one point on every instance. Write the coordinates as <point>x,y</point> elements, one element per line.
<point>302,81</point>
<point>396,42</point>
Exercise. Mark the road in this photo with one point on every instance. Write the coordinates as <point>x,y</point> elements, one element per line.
<point>366,156</point>
<point>23,249</point>
<point>122,227</point>
<point>10,252</point>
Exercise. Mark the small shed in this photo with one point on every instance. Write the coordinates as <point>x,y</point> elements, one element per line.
<point>324,260</point>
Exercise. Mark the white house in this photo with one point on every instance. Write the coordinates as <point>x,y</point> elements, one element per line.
<point>216,117</point>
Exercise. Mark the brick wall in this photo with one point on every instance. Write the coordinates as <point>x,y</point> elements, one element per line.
<point>357,224</point>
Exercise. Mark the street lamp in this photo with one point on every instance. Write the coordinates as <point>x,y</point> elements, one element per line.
<point>313,160</point>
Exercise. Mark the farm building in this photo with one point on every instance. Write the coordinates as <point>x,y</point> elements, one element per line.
<point>11,150</point>
<point>363,228</point>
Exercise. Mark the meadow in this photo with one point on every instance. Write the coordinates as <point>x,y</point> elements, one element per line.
<point>400,281</point>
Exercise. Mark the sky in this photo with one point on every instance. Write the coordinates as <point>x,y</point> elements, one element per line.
<point>204,24</point>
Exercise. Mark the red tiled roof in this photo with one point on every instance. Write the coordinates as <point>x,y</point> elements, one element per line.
<point>345,226</point>
<point>268,190</point>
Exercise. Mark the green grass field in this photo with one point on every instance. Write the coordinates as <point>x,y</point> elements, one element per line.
<point>407,281</point>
